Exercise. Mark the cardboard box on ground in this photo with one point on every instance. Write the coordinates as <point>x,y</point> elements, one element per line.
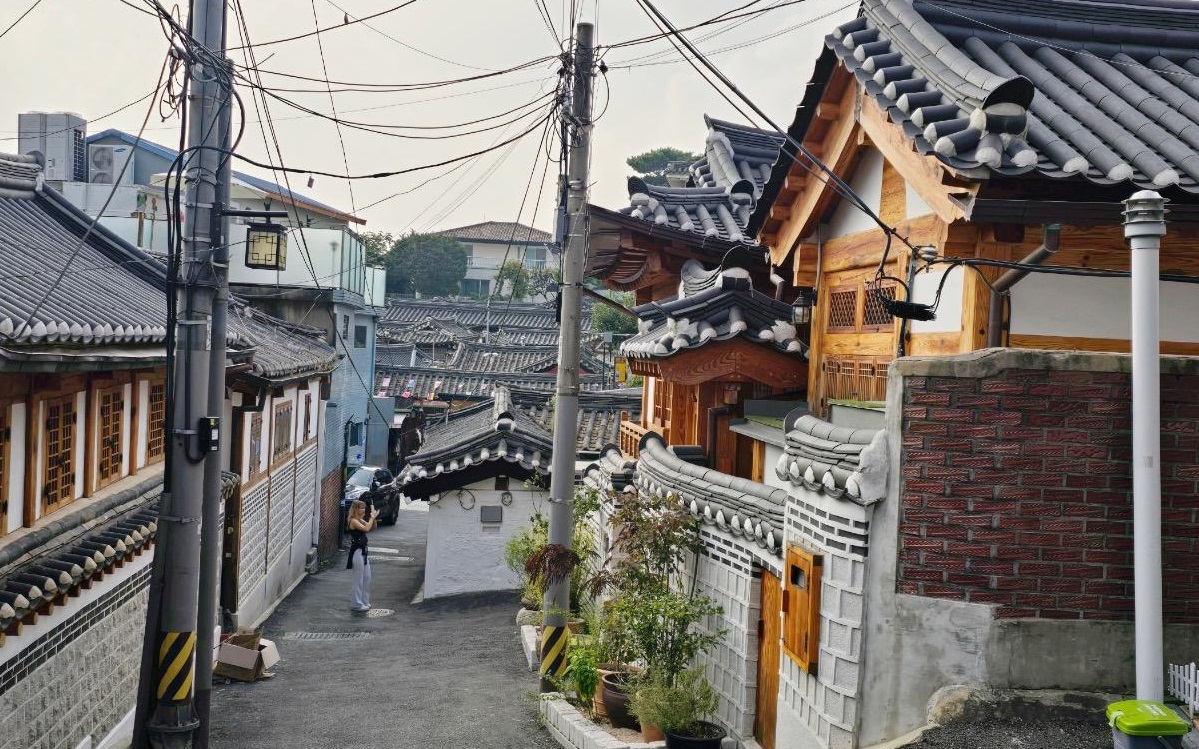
<point>246,656</point>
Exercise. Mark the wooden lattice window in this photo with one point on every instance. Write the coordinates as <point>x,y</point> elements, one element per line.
<point>874,316</point>
<point>843,309</point>
<point>801,607</point>
<point>58,448</point>
<point>856,378</point>
<point>156,433</point>
<point>282,429</point>
<point>110,418</point>
<point>5,460</point>
<point>255,444</point>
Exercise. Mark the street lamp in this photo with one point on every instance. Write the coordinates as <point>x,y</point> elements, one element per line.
<point>266,246</point>
<point>1144,226</point>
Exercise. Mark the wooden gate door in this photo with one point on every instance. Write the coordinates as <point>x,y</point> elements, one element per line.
<point>768,661</point>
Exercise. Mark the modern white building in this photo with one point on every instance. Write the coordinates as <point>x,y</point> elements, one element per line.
<point>491,244</point>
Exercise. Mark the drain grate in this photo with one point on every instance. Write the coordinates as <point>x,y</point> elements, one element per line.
<point>325,636</point>
<point>377,558</point>
<point>379,613</point>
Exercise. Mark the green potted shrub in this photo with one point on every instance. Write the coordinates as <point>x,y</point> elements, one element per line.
<point>679,706</point>
<point>518,550</point>
<point>583,672</point>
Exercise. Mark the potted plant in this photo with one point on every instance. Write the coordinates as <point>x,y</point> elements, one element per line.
<point>517,551</point>
<point>679,706</point>
<point>582,671</point>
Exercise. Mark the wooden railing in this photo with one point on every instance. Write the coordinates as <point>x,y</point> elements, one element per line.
<point>630,437</point>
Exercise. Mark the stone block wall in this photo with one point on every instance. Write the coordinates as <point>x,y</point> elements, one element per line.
<point>330,511</point>
<point>1016,488</point>
<point>78,677</point>
<point>822,709</point>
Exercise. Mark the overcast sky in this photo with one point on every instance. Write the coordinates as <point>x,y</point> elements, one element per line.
<point>92,56</point>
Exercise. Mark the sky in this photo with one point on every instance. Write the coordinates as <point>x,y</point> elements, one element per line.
<point>94,56</point>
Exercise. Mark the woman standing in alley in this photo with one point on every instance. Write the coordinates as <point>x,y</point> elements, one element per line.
<point>361,521</point>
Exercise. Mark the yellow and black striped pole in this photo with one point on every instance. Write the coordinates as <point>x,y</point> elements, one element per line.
<point>553,650</point>
<point>176,666</point>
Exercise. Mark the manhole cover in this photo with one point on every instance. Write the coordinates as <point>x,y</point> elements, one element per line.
<point>325,636</point>
<point>379,613</point>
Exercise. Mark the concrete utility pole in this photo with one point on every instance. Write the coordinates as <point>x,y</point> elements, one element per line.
<point>194,430</point>
<point>554,634</point>
<point>1144,227</point>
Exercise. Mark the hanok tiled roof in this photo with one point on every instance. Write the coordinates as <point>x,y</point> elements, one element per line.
<point>599,414</point>
<point>474,314</point>
<point>724,186</point>
<point>111,302</point>
<point>499,231</point>
<point>1087,88</point>
<point>506,357</point>
<point>400,355</point>
<point>736,505</point>
<point>418,382</point>
<point>841,462</point>
<point>715,305</point>
<point>493,432</point>
<point>111,293</point>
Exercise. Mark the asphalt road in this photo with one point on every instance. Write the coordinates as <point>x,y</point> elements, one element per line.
<point>447,673</point>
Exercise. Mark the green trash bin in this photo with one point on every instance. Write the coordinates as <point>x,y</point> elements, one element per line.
<point>1144,724</point>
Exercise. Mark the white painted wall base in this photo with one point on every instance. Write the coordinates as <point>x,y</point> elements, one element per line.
<point>121,736</point>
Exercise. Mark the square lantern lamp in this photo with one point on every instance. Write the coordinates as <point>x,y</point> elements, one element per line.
<point>266,246</point>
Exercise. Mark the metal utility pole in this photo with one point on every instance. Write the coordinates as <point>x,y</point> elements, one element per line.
<point>1144,227</point>
<point>566,407</point>
<point>194,430</point>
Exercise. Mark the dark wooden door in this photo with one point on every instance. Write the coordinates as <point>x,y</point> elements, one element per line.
<point>768,661</point>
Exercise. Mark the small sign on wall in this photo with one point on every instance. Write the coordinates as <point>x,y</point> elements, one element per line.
<point>491,514</point>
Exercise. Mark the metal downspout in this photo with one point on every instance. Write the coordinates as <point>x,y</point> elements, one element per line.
<point>1003,284</point>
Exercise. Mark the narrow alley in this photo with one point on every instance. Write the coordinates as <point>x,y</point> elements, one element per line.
<point>442,673</point>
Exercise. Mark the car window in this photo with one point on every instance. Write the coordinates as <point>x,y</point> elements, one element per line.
<point>361,477</point>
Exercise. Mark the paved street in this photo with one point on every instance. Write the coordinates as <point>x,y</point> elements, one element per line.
<point>445,673</point>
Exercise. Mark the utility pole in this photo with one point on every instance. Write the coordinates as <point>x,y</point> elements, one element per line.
<point>194,430</point>
<point>566,407</point>
<point>1144,227</point>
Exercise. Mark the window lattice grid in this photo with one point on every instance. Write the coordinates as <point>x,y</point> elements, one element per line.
<point>255,444</point>
<point>307,417</point>
<point>109,456</point>
<point>282,430</point>
<point>842,309</point>
<point>874,315</point>
<point>156,440</point>
<point>58,481</point>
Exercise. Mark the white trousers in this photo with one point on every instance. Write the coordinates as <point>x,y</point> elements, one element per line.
<point>360,596</point>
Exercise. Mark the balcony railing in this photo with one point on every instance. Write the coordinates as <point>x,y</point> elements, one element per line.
<point>630,437</point>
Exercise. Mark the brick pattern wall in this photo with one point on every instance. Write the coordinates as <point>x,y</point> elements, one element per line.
<point>252,559</point>
<point>307,482</point>
<point>330,511</point>
<point>282,504</point>
<point>1016,491</point>
<point>79,679</point>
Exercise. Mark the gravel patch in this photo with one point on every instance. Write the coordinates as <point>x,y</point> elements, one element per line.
<point>1018,734</point>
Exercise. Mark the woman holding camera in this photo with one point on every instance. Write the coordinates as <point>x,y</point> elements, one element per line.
<point>361,520</point>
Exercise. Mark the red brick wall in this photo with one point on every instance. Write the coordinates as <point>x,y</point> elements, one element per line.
<point>1016,491</point>
<point>331,487</point>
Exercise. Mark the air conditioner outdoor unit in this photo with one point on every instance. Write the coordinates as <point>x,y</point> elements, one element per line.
<point>106,162</point>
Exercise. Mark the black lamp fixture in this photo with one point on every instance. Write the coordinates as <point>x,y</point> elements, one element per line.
<point>266,243</point>
<point>801,308</point>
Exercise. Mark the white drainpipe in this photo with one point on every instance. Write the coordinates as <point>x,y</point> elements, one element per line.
<point>1144,226</point>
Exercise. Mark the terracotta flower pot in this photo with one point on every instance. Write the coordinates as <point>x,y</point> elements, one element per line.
<point>651,733</point>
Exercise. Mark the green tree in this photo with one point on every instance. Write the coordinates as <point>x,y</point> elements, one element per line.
<point>605,318</point>
<point>514,277</point>
<point>651,165</point>
<point>541,280</point>
<point>377,244</point>
<point>430,264</point>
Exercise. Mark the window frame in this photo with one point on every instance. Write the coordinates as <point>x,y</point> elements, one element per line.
<point>255,447</point>
<point>5,462</point>
<point>47,504</point>
<point>109,458</point>
<point>282,440</point>
<point>883,287</point>
<point>156,428</point>
<point>856,291</point>
<point>358,328</point>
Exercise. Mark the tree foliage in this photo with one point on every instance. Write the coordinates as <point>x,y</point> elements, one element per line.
<point>605,318</point>
<point>430,264</point>
<point>512,281</point>
<point>377,244</point>
<point>651,165</point>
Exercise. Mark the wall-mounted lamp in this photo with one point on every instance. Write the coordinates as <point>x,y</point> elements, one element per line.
<point>266,246</point>
<point>801,308</point>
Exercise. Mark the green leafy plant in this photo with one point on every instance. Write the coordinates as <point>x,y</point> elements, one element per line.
<point>675,706</point>
<point>582,668</point>
<point>551,564</point>
<point>518,550</point>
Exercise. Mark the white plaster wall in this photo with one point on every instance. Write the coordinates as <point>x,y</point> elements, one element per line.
<point>1044,304</point>
<point>15,491</point>
<point>867,182</point>
<point>126,421</point>
<point>773,454</point>
<point>80,441</point>
<point>915,204</point>
<point>949,313</point>
<point>464,555</point>
<point>143,421</point>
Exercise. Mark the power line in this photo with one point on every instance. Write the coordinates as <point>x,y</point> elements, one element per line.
<point>405,45</point>
<point>20,18</point>
<point>333,105</point>
<point>319,30</point>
